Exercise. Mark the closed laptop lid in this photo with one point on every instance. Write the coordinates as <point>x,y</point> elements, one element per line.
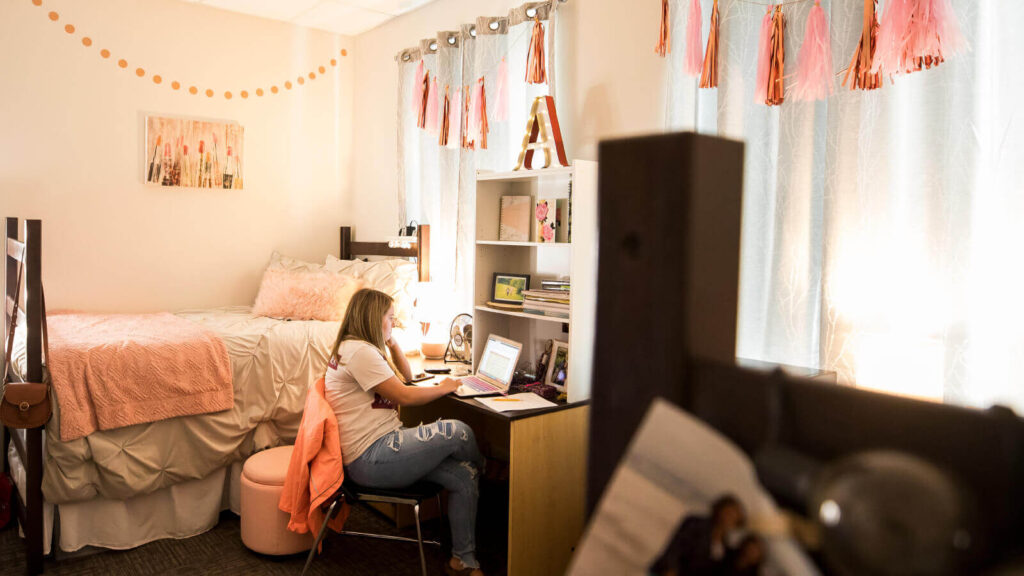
<point>498,361</point>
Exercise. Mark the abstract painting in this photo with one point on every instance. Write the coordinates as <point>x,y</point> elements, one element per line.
<point>193,153</point>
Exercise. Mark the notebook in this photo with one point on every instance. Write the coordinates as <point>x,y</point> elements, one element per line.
<point>494,371</point>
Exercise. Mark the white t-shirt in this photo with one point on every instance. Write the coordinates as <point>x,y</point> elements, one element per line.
<point>363,416</point>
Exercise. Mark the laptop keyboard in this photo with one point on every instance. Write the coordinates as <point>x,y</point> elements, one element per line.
<point>474,383</point>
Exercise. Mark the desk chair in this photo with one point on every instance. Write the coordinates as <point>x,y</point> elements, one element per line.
<point>410,496</point>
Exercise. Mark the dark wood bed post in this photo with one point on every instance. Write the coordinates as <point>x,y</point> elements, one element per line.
<point>34,437</point>
<point>346,243</point>
<point>421,252</point>
<point>29,443</point>
<point>10,272</point>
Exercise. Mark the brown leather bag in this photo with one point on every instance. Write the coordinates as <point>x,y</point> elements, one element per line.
<point>25,404</point>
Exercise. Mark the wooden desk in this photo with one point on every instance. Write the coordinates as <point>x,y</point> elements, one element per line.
<point>546,451</point>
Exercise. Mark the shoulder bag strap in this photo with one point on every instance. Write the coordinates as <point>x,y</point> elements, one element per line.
<point>14,324</point>
<point>46,339</point>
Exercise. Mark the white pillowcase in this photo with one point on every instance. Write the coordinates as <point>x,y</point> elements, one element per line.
<point>281,262</point>
<point>347,267</point>
<point>395,277</point>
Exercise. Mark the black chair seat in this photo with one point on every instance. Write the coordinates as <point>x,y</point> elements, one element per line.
<point>419,491</point>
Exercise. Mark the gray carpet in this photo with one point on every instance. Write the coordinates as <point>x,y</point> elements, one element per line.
<point>220,551</point>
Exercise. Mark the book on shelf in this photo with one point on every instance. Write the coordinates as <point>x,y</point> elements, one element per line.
<point>564,301</point>
<point>504,306</point>
<point>547,295</point>
<point>514,219</point>
<point>561,285</point>
<point>534,305</point>
<point>561,219</point>
<point>548,313</point>
<point>545,222</point>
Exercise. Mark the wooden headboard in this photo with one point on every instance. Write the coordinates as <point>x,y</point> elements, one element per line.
<point>421,251</point>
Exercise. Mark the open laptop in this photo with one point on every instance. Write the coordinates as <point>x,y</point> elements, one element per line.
<point>494,372</point>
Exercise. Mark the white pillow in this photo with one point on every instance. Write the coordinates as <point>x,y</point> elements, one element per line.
<point>281,262</point>
<point>396,278</point>
<point>347,267</point>
<point>393,276</point>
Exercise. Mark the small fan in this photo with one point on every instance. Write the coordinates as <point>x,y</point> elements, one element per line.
<point>460,342</point>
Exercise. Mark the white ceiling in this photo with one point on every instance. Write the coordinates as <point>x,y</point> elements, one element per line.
<point>348,17</point>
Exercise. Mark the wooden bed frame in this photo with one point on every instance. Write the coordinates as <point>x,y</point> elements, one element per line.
<point>29,443</point>
<point>421,251</point>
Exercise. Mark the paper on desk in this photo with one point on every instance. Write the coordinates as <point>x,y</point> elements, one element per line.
<point>523,401</point>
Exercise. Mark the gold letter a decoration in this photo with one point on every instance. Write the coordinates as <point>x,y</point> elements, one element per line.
<point>540,137</point>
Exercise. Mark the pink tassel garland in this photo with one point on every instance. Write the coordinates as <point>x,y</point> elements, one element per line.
<point>432,108</point>
<point>936,34</point>
<point>814,64</point>
<point>694,47</point>
<point>893,33</point>
<point>455,124</point>
<point>417,89</point>
<point>501,99</point>
<point>764,58</point>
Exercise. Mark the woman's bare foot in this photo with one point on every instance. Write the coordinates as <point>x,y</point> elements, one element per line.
<point>455,567</point>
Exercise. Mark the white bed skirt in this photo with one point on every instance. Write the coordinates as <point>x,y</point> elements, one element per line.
<point>179,511</point>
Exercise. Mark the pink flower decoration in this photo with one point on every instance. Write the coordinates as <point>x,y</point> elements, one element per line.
<point>542,210</point>
<point>548,231</point>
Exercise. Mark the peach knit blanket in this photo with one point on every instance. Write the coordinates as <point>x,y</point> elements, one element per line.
<point>114,370</point>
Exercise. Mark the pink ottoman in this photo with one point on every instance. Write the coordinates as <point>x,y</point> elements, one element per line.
<point>264,525</point>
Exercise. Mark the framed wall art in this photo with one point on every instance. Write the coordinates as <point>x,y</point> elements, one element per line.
<point>194,153</point>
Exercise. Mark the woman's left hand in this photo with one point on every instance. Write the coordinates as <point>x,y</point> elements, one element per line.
<point>392,344</point>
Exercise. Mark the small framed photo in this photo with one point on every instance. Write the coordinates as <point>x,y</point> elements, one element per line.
<point>558,365</point>
<point>509,288</point>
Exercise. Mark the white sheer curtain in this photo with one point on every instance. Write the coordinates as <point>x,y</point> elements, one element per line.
<point>437,185</point>
<point>881,229</point>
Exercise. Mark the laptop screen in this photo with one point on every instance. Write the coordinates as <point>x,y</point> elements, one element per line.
<point>498,361</point>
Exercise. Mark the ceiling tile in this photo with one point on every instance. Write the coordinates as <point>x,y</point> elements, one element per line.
<point>285,10</point>
<point>393,7</point>
<point>340,18</point>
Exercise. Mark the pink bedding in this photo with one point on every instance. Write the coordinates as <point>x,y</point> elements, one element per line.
<point>114,370</point>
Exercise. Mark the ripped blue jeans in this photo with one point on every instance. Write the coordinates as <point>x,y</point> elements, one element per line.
<point>445,453</point>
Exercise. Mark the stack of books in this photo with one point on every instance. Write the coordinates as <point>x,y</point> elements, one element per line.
<point>551,300</point>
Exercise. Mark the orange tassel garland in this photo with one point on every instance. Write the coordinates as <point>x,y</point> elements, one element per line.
<point>536,71</point>
<point>467,140</point>
<point>421,121</point>
<point>483,116</point>
<point>442,139</point>
<point>863,57</point>
<point>709,73</point>
<point>776,70</point>
<point>665,33</point>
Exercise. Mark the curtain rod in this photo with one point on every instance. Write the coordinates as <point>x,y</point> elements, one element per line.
<point>431,46</point>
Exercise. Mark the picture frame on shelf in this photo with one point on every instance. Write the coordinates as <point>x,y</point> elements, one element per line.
<point>508,288</point>
<point>558,365</point>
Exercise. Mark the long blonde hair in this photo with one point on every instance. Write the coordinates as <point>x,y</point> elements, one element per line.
<point>364,320</point>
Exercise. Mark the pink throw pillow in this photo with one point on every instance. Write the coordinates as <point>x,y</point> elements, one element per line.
<point>300,295</point>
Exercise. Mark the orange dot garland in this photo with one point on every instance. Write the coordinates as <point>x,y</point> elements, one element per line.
<point>140,72</point>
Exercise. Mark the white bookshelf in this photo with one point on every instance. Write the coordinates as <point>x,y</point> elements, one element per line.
<point>576,260</point>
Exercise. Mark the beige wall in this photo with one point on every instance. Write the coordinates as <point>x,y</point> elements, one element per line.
<point>611,84</point>
<point>71,139</point>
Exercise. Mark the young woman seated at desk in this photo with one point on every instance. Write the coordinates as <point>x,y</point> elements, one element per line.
<point>365,385</point>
